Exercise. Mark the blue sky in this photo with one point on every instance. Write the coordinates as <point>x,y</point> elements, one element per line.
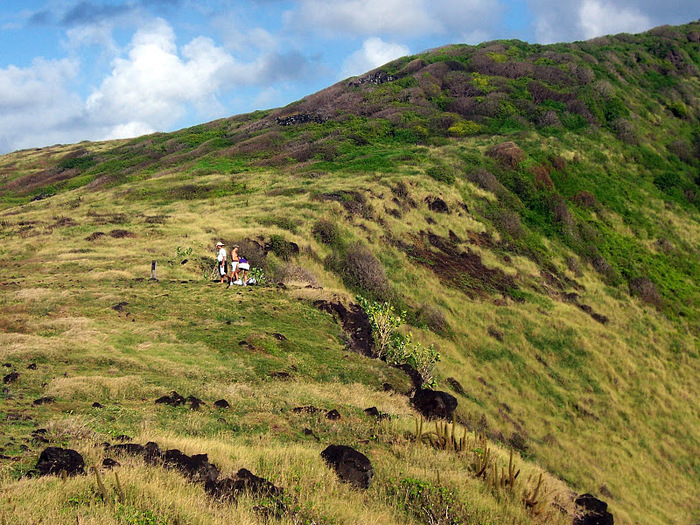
<point>73,70</point>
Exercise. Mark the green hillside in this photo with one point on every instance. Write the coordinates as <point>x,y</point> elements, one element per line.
<point>535,212</point>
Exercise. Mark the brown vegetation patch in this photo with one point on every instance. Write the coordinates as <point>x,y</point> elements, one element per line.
<point>507,153</point>
<point>120,234</point>
<point>459,269</point>
<point>108,218</point>
<point>646,290</point>
<point>64,222</point>
<point>94,236</point>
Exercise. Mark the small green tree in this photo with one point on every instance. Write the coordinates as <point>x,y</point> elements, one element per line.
<point>397,348</point>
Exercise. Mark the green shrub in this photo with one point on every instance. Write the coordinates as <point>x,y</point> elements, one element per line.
<point>397,348</point>
<point>327,232</point>
<point>441,173</point>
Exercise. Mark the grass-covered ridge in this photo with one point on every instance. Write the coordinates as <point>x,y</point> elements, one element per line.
<point>534,209</point>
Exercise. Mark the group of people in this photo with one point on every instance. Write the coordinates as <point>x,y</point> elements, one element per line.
<point>238,266</point>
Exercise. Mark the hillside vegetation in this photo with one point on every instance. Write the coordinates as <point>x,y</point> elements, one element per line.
<point>533,209</point>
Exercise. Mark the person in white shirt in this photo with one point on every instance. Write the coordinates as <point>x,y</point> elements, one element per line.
<point>221,258</point>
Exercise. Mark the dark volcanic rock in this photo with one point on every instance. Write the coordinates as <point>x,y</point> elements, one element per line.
<point>97,405</point>
<point>196,467</point>
<point>333,415</point>
<point>350,465</point>
<point>10,378</point>
<point>54,460</point>
<point>595,511</point>
<point>221,403</point>
<point>133,449</point>
<point>355,323</point>
<point>44,400</point>
<point>374,412</point>
<point>244,481</point>
<point>437,205</point>
<point>306,409</point>
<point>174,399</point>
<point>31,366</point>
<point>195,402</point>
<point>434,403</point>
<point>110,463</point>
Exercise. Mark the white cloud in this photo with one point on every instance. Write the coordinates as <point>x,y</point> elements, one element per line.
<point>37,105</point>
<point>374,52</point>
<point>598,18</point>
<point>407,18</point>
<point>153,85</point>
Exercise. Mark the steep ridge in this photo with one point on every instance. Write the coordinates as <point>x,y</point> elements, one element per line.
<point>533,209</point>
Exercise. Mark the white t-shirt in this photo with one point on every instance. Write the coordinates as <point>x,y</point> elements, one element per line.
<point>222,254</point>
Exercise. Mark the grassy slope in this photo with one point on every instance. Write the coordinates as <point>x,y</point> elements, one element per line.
<point>609,408</point>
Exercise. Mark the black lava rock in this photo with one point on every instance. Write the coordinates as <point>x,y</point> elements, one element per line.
<point>350,465</point>
<point>434,404</point>
<point>221,403</point>
<point>54,460</point>
<point>595,511</point>
<point>333,415</point>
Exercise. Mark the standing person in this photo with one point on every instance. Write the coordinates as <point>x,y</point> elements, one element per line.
<point>243,266</point>
<point>221,258</point>
<point>233,276</point>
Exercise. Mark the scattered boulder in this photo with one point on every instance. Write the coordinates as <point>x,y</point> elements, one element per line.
<point>195,402</point>
<point>374,412</point>
<point>44,400</point>
<point>281,374</point>
<point>595,511</point>
<point>54,460</point>
<point>10,378</point>
<point>174,399</point>
<point>244,482</point>
<point>350,465</point>
<point>31,366</point>
<point>123,438</point>
<point>97,405</point>
<point>221,403</point>
<point>437,205</point>
<point>109,463</point>
<point>333,415</point>
<point>133,449</point>
<point>434,404</point>
<point>306,409</point>
<point>279,337</point>
<point>196,467</point>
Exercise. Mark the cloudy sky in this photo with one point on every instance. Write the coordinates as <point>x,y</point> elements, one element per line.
<point>73,70</point>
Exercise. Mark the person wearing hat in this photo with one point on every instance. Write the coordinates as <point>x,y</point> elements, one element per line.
<point>221,257</point>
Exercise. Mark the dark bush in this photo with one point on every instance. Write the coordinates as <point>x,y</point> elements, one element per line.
<point>508,222</point>
<point>507,153</point>
<point>646,290</point>
<point>485,180</point>
<point>327,232</point>
<point>586,199</point>
<point>432,317</point>
<point>363,271</point>
<point>281,247</point>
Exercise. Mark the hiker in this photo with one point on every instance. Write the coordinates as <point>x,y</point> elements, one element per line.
<point>233,276</point>
<point>221,258</point>
<point>243,266</point>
